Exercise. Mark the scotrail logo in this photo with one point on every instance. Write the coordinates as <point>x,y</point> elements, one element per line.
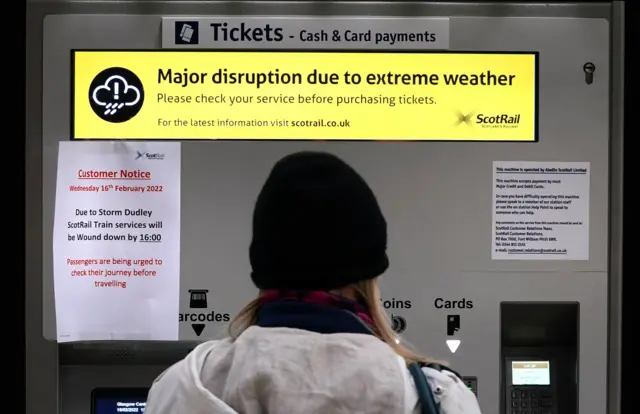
<point>464,118</point>
<point>149,155</point>
<point>504,120</point>
<point>498,120</point>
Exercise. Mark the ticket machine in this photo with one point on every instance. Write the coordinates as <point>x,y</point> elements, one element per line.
<point>525,306</point>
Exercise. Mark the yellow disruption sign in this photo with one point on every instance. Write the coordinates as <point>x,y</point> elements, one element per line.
<point>304,95</point>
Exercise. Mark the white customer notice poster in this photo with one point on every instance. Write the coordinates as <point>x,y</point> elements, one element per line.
<point>116,241</point>
<point>540,210</point>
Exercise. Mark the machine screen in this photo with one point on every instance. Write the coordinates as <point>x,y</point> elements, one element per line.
<point>530,373</point>
<point>112,401</point>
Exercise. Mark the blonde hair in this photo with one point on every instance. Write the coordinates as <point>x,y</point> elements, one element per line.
<point>370,295</point>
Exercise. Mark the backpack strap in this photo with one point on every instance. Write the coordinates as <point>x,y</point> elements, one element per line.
<point>441,368</point>
<point>428,403</point>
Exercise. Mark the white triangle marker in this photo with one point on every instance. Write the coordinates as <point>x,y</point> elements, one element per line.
<point>453,345</point>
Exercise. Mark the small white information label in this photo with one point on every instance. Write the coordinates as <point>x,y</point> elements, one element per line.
<point>540,210</point>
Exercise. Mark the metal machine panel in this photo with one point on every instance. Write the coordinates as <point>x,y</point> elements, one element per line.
<point>436,196</point>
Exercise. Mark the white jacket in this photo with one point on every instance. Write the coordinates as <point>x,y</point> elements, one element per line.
<point>291,371</point>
